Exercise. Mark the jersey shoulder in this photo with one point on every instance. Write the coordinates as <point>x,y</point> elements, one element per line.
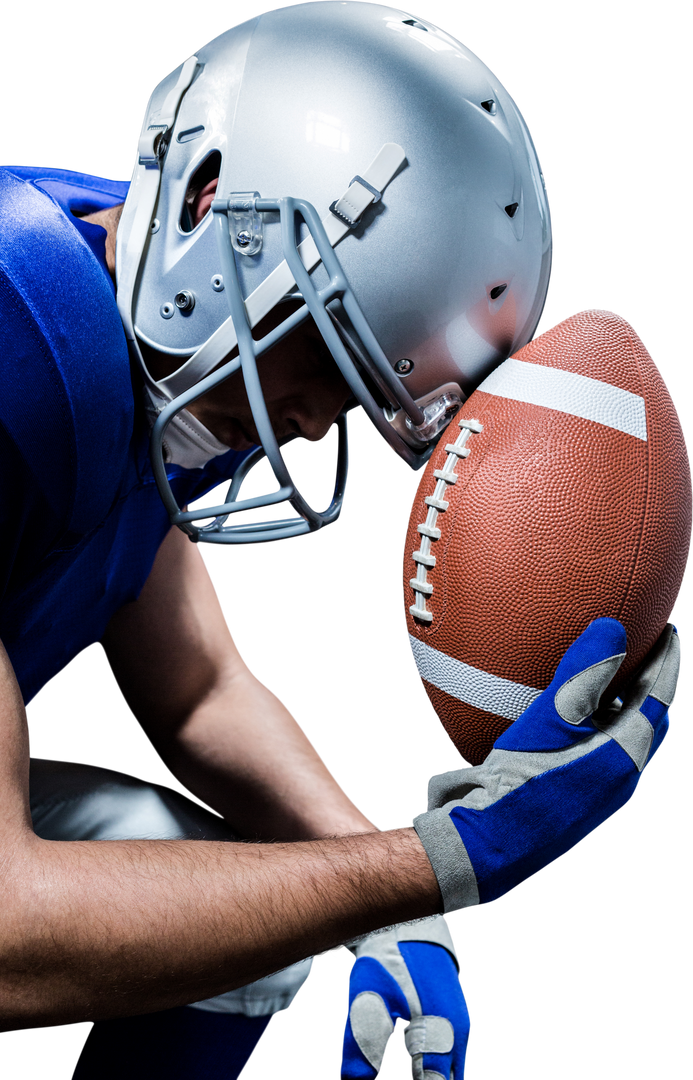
<point>67,401</point>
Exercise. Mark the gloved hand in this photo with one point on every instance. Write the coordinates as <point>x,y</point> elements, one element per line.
<point>554,775</point>
<point>409,971</point>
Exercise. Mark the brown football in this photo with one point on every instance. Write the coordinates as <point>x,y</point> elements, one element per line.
<point>559,493</point>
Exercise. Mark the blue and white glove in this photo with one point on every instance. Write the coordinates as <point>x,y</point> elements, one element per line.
<point>407,972</point>
<point>554,775</point>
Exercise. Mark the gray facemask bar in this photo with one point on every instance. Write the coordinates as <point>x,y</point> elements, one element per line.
<point>291,211</point>
<point>216,531</point>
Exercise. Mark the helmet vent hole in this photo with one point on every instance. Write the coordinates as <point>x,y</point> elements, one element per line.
<point>497,291</point>
<point>415,23</point>
<point>191,133</point>
<point>511,209</point>
<point>490,106</point>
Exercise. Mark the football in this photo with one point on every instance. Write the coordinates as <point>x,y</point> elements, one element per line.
<point>558,494</point>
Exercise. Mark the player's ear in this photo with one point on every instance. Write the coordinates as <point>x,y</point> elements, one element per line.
<point>201,190</point>
<point>203,201</point>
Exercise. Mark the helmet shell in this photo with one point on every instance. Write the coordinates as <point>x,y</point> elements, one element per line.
<point>450,269</point>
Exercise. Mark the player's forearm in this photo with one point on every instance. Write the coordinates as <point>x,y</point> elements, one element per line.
<point>225,736</point>
<point>103,929</point>
<point>243,753</point>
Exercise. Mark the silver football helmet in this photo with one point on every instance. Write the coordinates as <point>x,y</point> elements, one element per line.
<point>370,167</point>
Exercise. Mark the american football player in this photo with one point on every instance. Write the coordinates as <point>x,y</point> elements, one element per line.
<point>240,292</point>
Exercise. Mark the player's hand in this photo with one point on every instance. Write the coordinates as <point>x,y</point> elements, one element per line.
<point>408,972</point>
<point>559,771</point>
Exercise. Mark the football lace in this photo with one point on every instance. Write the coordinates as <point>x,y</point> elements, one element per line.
<point>428,531</point>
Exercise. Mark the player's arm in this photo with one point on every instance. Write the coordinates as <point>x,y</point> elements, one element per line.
<point>97,929</point>
<point>220,731</point>
<point>123,927</point>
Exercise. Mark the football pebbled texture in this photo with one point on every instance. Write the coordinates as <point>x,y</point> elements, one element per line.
<point>571,503</point>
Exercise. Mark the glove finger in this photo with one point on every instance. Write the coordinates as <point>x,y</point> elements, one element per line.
<point>658,675</point>
<point>561,715</point>
<point>436,1040</point>
<point>368,1029</point>
<point>642,720</point>
<point>587,668</point>
<point>375,1002</point>
<point>430,1040</point>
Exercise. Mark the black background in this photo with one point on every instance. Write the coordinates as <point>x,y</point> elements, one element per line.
<point>575,974</point>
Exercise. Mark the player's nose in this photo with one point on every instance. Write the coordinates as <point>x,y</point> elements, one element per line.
<point>312,417</point>
<point>314,424</point>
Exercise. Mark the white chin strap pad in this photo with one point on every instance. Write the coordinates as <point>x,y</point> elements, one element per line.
<point>188,442</point>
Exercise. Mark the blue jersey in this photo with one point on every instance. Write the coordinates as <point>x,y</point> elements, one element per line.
<point>81,517</point>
